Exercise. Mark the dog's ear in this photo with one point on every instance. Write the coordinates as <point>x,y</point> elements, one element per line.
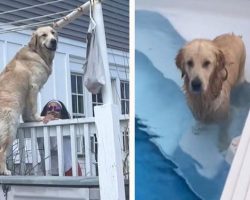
<point>33,42</point>
<point>219,75</point>
<point>179,61</point>
<point>221,63</point>
<point>220,60</point>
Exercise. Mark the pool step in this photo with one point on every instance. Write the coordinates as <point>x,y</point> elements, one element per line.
<point>231,151</point>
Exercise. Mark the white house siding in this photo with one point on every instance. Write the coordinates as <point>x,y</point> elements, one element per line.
<point>115,13</point>
<point>69,58</point>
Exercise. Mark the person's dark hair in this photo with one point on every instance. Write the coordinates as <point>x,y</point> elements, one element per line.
<point>64,113</point>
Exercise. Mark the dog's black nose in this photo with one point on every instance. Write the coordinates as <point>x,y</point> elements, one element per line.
<point>53,42</point>
<point>196,85</point>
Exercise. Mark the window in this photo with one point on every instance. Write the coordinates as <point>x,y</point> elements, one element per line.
<point>125,139</point>
<point>77,95</point>
<point>125,97</point>
<point>96,100</point>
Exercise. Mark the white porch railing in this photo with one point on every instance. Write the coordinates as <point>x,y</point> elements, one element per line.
<point>29,158</point>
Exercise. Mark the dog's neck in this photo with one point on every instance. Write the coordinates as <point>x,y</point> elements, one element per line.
<point>206,107</point>
<point>47,58</point>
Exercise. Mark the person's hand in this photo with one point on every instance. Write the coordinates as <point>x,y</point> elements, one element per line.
<point>48,118</point>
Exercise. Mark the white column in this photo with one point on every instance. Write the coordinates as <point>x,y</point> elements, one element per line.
<point>100,33</point>
<point>109,153</point>
<point>111,178</point>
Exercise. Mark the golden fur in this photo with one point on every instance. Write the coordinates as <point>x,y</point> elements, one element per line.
<point>210,69</point>
<point>20,83</point>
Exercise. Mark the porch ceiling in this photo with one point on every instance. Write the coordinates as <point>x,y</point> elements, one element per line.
<point>116,18</point>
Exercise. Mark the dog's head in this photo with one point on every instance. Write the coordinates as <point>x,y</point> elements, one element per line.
<point>202,66</point>
<point>44,39</point>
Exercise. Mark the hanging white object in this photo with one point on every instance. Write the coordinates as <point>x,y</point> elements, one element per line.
<point>94,76</point>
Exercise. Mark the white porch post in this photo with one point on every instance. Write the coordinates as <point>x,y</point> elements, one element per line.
<point>100,32</point>
<point>111,178</point>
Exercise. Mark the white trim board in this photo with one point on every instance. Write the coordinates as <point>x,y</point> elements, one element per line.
<point>237,185</point>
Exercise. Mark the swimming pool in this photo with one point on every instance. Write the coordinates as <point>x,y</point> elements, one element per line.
<point>156,176</point>
<point>196,162</point>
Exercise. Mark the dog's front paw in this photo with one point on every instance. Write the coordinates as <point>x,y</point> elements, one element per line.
<point>6,172</point>
<point>39,118</point>
<point>33,118</point>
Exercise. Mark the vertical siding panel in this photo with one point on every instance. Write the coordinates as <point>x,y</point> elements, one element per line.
<point>47,92</point>
<point>59,77</point>
<point>68,84</point>
<point>12,49</point>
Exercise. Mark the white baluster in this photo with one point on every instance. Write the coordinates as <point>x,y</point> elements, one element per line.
<point>87,150</point>
<point>60,152</point>
<point>47,154</point>
<point>33,150</point>
<point>73,150</point>
<point>22,151</point>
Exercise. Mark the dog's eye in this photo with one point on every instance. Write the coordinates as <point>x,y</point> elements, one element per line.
<point>44,35</point>
<point>206,63</point>
<point>53,32</point>
<point>190,63</point>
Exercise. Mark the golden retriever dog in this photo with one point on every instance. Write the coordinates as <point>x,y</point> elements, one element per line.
<point>20,83</point>
<point>211,68</point>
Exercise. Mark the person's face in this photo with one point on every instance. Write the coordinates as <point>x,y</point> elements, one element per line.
<point>54,109</point>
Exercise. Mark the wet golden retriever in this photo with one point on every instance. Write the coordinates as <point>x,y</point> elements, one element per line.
<point>211,68</point>
<point>20,83</point>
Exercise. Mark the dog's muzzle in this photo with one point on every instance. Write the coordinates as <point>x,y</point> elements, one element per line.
<point>53,45</point>
<point>196,85</point>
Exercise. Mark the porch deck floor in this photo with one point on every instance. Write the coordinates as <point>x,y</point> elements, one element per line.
<point>51,181</point>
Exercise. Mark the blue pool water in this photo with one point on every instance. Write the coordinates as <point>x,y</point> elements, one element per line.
<point>172,162</point>
<point>156,178</point>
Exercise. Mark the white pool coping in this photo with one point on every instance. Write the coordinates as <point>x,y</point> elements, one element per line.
<point>238,181</point>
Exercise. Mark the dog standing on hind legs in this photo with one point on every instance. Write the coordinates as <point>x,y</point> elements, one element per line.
<point>20,82</point>
<point>211,68</point>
